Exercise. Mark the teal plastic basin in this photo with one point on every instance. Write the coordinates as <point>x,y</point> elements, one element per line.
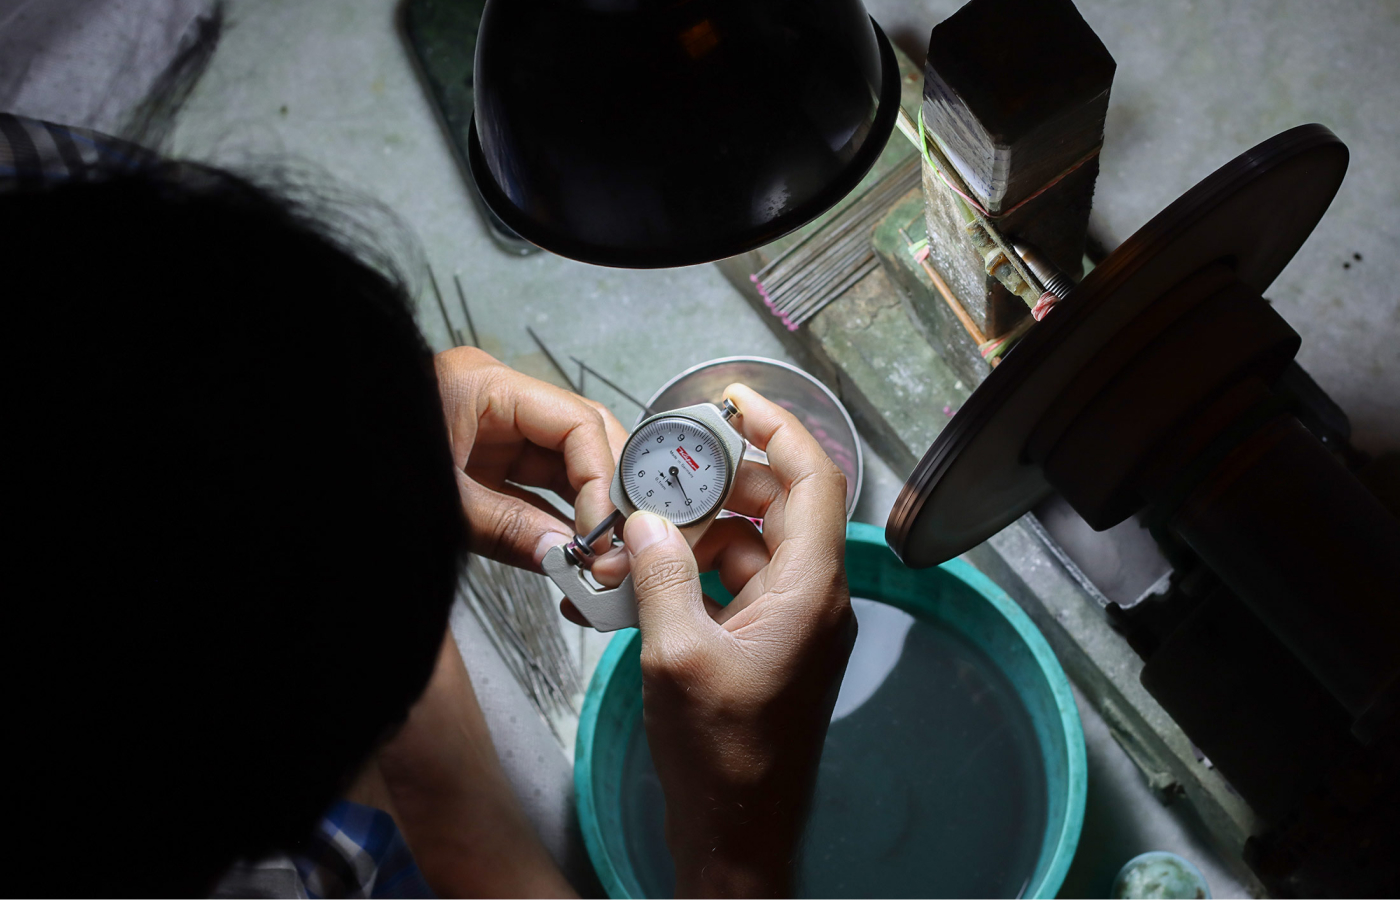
<point>954,597</point>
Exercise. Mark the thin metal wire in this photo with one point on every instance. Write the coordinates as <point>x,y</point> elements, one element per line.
<point>452,334</point>
<point>835,285</point>
<point>584,367</point>
<point>873,199</point>
<point>770,269</point>
<point>829,257</point>
<point>806,277</point>
<point>603,527</point>
<point>820,303</point>
<point>841,259</point>
<point>552,361</point>
<point>516,611</point>
<point>848,224</point>
<point>462,298</point>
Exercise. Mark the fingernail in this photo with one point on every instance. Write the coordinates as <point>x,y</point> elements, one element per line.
<point>547,540</point>
<point>644,529</point>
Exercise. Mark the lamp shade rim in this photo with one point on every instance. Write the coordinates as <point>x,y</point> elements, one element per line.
<point>722,247</point>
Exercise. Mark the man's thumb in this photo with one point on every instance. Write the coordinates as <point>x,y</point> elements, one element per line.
<point>664,574</point>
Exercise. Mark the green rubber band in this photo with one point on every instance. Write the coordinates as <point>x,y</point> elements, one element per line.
<point>928,158</point>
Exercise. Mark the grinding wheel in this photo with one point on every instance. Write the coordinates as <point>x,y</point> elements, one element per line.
<point>1251,215</point>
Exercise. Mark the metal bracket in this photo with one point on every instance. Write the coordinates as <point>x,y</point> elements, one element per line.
<point>605,609</point>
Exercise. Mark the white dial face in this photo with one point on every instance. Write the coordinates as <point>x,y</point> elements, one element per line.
<point>675,467</point>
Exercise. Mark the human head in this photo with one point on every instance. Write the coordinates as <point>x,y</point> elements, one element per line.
<point>235,529</point>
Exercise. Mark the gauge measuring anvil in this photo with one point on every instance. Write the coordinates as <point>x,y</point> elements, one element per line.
<point>679,464</point>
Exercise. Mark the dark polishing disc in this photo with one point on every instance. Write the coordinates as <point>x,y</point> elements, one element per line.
<point>1252,214</point>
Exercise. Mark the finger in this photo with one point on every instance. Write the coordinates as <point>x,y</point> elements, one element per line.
<point>734,548</point>
<point>537,467</point>
<point>749,593</point>
<point>666,580</point>
<point>617,434</point>
<point>555,419</point>
<point>798,591</point>
<point>816,490</point>
<point>755,489</point>
<point>461,373</point>
<point>509,529</point>
<point>570,612</point>
<point>519,493</point>
<point>731,546</point>
<point>611,568</point>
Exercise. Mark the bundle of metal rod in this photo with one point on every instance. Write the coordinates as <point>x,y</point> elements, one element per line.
<point>803,279</point>
<point>517,613</point>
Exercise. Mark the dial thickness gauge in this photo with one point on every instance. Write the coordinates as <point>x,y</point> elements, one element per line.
<point>680,464</point>
<point>675,467</point>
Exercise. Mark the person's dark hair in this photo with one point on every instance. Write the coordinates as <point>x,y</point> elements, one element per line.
<point>235,527</point>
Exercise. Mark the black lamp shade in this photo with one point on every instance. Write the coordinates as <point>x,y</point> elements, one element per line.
<point>644,133</point>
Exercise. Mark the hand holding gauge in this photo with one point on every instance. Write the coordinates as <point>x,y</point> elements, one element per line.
<point>680,465</point>
<point>737,699</point>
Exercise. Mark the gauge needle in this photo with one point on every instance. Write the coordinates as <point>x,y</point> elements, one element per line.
<point>675,476</point>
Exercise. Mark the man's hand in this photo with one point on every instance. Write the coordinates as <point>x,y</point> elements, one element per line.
<point>737,701</point>
<point>510,432</point>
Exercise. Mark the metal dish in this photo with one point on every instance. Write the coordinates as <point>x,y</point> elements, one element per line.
<point>814,405</point>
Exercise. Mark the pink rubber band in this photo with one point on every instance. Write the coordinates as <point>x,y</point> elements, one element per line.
<point>1042,306</point>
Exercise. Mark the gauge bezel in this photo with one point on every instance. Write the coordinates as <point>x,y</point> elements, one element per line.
<point>730,469</point>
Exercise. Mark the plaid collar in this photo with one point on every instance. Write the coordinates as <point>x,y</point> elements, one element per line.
<point>356,851</point>
<point>35,153</point>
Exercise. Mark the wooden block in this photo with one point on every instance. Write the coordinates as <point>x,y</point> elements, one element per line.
<point>1017,90</point>
<point>927,306</point>
<point>1015,94</point>
<point>953,253</point>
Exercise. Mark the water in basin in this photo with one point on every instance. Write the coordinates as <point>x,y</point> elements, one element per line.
<point>931,782</point>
